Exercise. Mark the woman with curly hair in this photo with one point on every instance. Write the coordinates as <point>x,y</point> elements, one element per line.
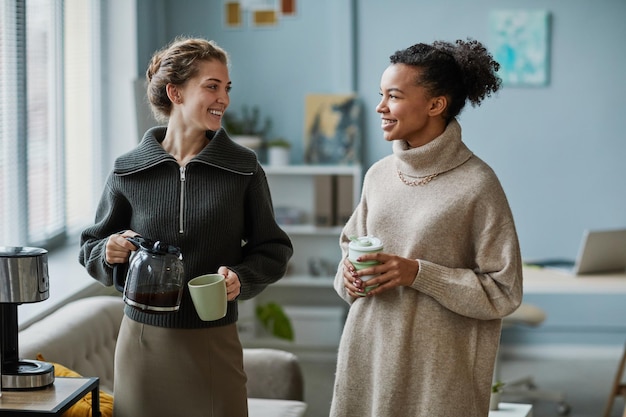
<point>423,342</point>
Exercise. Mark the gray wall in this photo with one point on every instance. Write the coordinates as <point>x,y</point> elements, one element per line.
<point>558,150</point>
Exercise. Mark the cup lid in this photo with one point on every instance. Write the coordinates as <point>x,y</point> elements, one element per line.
<point>366,243</point>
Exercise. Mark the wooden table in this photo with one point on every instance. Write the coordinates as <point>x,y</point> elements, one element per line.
<point>52,400</point>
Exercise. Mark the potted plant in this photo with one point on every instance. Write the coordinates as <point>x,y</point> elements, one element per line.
<point>275,321</point>
<point>496,392</point>
<point>278,151</point>
<point>246,128</point>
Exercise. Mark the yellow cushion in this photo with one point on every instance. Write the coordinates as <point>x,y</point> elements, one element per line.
<point>83,407</point>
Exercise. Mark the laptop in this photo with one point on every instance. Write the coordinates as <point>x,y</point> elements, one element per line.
<point>600,251</point>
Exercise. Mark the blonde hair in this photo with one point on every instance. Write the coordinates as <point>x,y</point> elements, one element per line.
<point>175,64</point>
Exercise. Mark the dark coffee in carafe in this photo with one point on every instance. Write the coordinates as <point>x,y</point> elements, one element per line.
<point>154,278</point>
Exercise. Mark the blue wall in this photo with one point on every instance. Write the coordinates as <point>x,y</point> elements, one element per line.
<point>559,150</point>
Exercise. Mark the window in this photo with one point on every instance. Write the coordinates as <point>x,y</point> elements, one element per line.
<point>48,53</point>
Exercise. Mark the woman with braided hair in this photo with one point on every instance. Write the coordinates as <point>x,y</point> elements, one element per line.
<point>423,342</point>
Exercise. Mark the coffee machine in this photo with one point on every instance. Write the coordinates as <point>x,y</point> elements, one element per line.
<point>23,279</point>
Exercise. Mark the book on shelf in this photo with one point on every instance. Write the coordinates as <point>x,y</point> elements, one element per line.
<point>324,211</point>
<point>344,197</point>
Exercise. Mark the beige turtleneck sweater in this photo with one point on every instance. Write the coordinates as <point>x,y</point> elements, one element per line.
<point>429,350</point>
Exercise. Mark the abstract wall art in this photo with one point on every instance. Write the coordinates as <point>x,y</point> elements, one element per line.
<point>332,133</point>
<point>520,42</point>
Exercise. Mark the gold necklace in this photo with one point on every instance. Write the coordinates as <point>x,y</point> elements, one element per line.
<point>422,181</point>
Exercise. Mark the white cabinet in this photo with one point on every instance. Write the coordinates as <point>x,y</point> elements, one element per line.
<point>312,202</point>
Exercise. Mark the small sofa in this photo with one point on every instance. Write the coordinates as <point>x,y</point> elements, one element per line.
<point>82,335</point>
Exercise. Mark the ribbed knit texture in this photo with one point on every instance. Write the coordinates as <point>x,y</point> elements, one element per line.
<point>226,201</point>
<point>429,350</point>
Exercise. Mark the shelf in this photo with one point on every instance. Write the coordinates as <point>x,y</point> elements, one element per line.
<point>273,342</point>
<point>313,170</point>
<point>314,327</point>
<point>309,229</point>
<point>304,352</point>
<point>305,281</point>
<point>303,197</point>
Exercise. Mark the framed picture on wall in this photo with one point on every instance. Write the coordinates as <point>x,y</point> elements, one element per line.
<point>332,133</point>
<point>257,13</point>
<point>520,43</point>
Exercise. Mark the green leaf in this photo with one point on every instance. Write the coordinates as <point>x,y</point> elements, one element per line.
<point>497,386</point>
<point>274,320</point>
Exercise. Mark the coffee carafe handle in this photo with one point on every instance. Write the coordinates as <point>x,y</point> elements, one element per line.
<point>119,276</point>
<point>120,270</point>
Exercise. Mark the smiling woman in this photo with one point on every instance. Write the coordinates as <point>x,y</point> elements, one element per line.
<point>451,266</point>
<point>187,184</point>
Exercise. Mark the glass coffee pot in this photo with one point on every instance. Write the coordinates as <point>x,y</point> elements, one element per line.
<point>152,281</point>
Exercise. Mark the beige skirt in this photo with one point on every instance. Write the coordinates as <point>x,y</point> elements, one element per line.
<point>161,372</point>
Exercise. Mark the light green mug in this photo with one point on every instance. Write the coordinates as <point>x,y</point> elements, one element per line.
<point>208,293</point>
<point>361,246</point>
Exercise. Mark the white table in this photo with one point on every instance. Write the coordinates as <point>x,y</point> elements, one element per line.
<point>262,407</point>
<point>512,410</point>
<point>552,281</point>
<point>580,309</point>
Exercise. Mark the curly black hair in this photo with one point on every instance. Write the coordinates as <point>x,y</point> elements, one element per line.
<point>461,71</point>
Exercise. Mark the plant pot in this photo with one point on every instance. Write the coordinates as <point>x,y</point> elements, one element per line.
<point>278,155</point>
<point>249,141</point>
<point>494,401</point>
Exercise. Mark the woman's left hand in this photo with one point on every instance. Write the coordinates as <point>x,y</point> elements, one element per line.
<point>233,285</point>
<point>393,271</point>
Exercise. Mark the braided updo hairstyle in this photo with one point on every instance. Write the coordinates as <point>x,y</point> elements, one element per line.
<point>461,71</point>
<point>175,64</point>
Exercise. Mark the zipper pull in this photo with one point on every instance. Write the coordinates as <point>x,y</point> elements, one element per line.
<point>181,220</point>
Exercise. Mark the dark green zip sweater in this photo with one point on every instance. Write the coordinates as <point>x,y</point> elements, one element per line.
<point>217,209</point>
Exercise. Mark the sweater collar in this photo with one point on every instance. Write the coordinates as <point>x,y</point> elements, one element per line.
<point>442,154</point>
<point>220,152</point>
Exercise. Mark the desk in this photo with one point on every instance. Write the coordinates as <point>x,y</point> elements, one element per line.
<point>546,281</point>
<point>53,400</point>
<point>512,410</point>
<point>581,310</point>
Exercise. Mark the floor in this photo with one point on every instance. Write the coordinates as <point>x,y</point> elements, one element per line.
<point>585,380</point>
<point>319,376</point>
<point>586,383</point>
